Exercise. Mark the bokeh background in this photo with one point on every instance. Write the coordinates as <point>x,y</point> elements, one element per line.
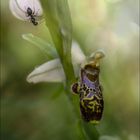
<point>41,111</point>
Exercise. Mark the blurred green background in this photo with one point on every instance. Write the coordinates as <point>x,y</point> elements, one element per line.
<point>35,111</point>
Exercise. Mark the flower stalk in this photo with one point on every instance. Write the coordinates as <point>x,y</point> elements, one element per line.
<point>58,21</point>
<point>61,32</point>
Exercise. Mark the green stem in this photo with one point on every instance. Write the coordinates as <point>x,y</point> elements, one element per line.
<point>61,32</point>
<point>58,21</point>
<point>80,130</point>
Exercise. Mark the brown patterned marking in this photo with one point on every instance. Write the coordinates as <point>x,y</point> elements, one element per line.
<point>75,88</point>
<point>89,115</point>
<point>91,106</point>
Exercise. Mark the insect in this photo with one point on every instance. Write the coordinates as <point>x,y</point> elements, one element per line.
<point>28,11</point>
<point>89,90</point>
<point>32,16</point>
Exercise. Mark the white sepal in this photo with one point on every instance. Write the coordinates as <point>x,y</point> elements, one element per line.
<point>78,57</point>
<point>50,71</point>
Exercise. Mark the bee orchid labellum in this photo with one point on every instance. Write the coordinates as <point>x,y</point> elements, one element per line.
<point>89,90</point>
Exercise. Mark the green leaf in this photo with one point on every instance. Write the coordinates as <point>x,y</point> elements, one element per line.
<point>65,23</point>
<point>45,47</point>
<point>58,21</point>
<point>51,18</point>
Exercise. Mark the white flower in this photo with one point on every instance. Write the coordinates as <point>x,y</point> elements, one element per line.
<point>78,57</point>
<point>52,71</point>
<point>27,10</point>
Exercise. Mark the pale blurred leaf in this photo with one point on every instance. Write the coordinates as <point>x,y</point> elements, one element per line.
<point>44,46</point>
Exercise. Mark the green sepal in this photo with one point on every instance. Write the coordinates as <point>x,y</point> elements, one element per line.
<point>45,47</point>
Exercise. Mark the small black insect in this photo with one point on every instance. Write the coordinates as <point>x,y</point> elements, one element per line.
<point>32,15</point>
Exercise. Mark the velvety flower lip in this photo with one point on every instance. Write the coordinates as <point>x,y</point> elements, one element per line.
<point>19,8</point>
<point>52,71</point>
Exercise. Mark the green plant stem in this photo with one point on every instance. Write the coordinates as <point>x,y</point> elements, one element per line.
<point>61,35</point>
<point>58,21</point>
<point>80,130</point>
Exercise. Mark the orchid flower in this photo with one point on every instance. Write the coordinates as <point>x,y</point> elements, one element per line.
<point>52,71</point>
<point>27,10</point>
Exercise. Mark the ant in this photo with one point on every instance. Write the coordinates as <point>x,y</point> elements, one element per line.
<point>32,16</point>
